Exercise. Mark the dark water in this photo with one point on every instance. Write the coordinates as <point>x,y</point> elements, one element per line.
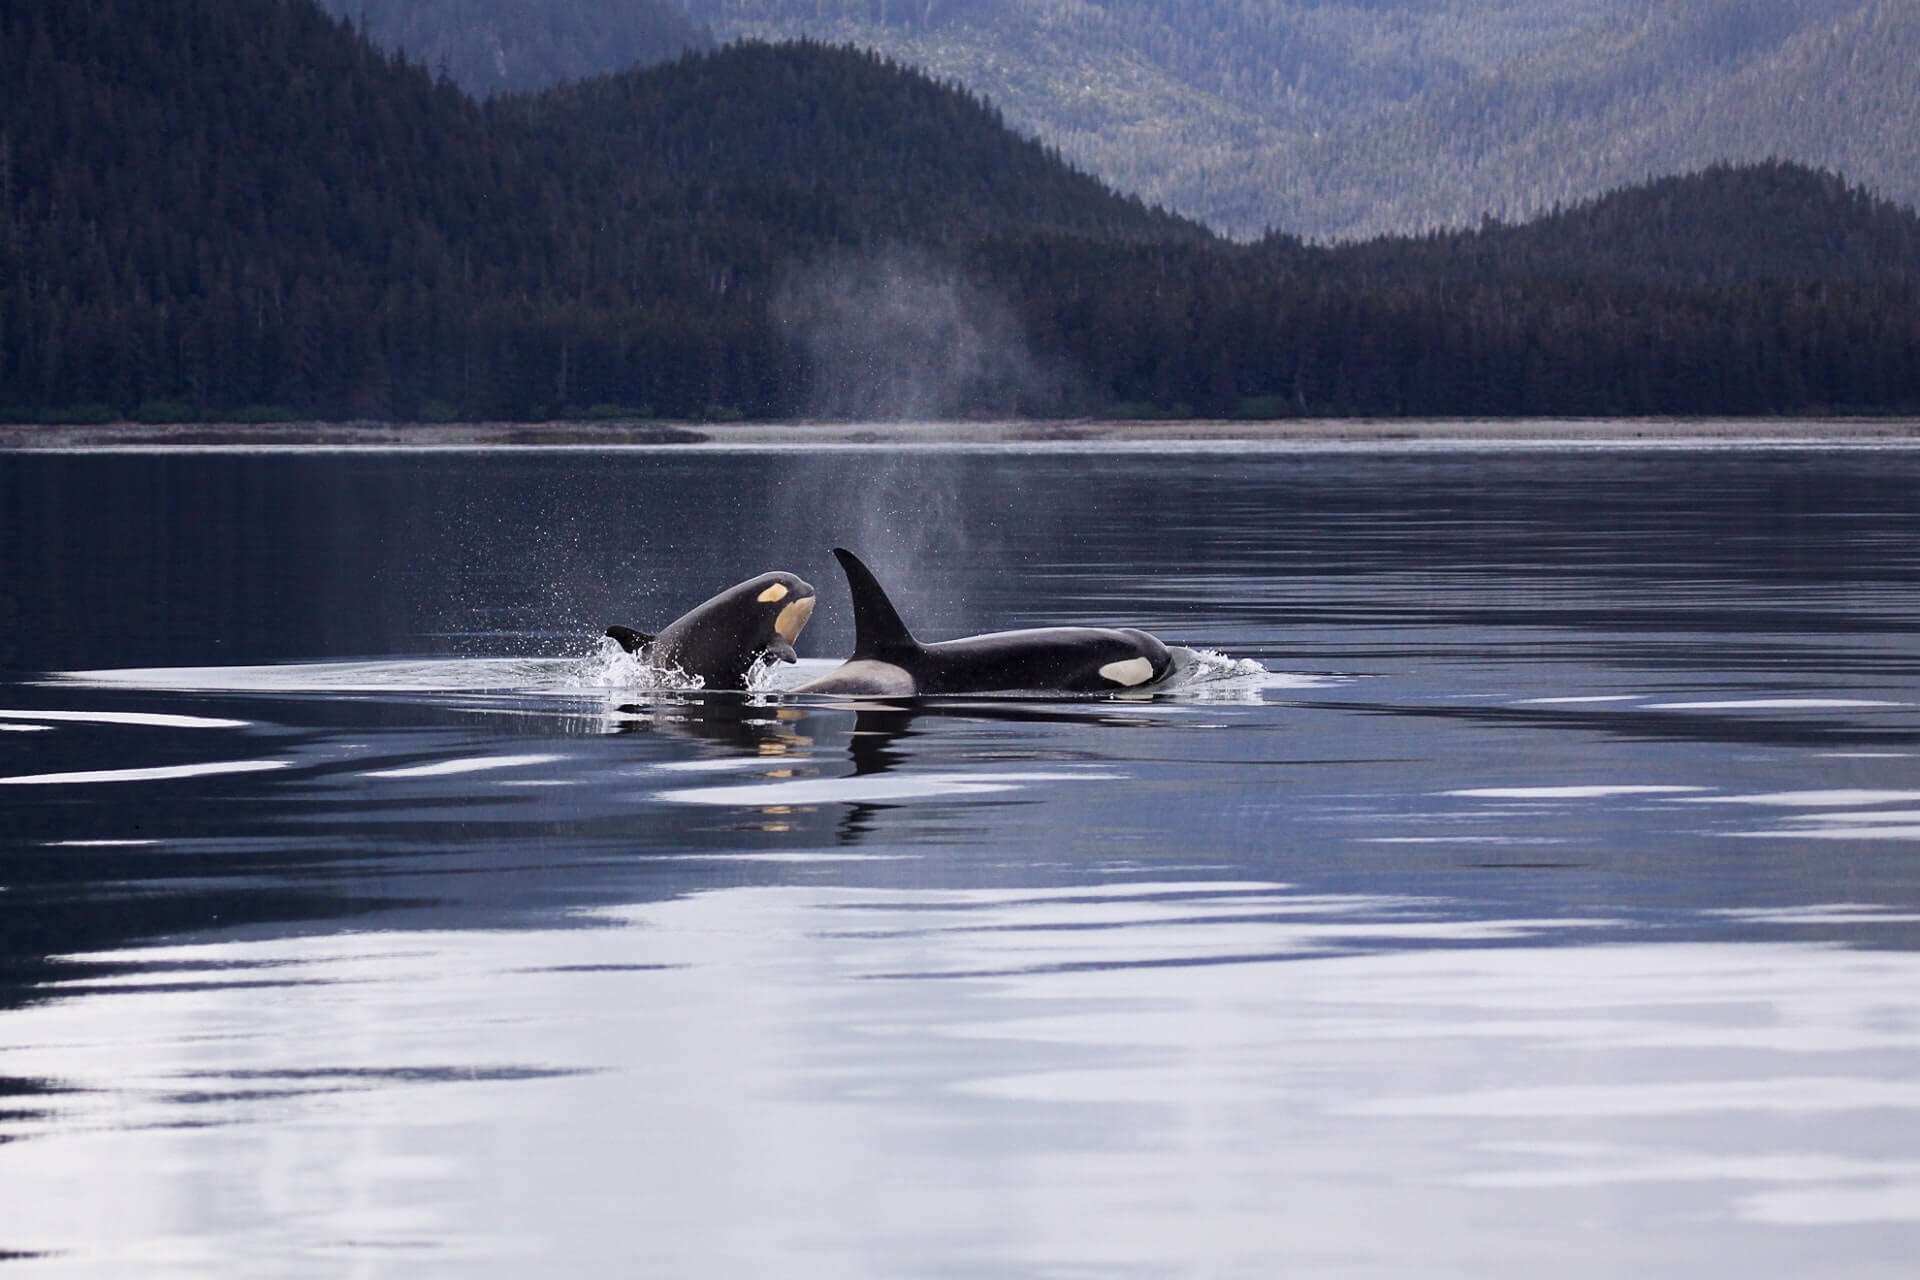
<point>1532,888</point>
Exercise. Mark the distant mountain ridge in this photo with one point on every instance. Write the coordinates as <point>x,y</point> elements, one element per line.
<point>1835,85</point>
<point>1322,118</point>
<point>1349,118</point>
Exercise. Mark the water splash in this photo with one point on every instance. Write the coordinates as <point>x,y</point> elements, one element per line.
<point>614,668</point>
<point>1207,675</point>
<point>1199,675</point>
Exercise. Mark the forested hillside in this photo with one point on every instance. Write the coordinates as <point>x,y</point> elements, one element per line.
<point>510,46</point>
<point>219,209</point>
<point>1726,225</point>
<point>219,203</point>
<point>863,145</point>
<point>243,207</point>
<point>1356,117</point>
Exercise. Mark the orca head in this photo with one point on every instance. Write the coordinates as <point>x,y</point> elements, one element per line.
<point>724,638</point>
<point>762,615</point>
<point>785,604</point>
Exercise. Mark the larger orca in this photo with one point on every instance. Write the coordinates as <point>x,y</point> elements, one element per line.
<point>887,661</point>
<point>724,640</point>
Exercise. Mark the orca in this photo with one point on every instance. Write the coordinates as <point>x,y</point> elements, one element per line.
<point>888,662</point>
<point>726,639</point>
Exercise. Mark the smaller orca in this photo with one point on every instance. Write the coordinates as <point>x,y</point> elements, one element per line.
<point>724,640</point>
<point>887,660</point>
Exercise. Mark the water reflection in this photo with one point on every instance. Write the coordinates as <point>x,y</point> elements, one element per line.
<point>1147,1075</point>
<point>1540,878</point>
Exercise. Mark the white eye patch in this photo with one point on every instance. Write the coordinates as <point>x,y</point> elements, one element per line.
<point>774,593</point>
<point>1130,672</point>
<point>792,618</point>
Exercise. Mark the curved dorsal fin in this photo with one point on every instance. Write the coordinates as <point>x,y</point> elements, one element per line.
<point>877,629</point>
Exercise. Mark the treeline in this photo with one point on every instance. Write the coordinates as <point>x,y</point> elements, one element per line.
<point>1168,332</point>
<point>220,209</point>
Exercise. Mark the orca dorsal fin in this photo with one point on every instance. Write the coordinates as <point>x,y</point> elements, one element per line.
<point>877,629</point>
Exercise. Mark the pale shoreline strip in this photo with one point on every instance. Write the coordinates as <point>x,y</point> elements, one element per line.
<point>1031,434</point>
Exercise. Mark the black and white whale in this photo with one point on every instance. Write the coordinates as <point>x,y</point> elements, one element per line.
<point>888,662</point>
<point>725,639</point>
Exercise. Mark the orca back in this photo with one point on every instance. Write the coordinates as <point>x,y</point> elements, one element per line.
<point>888,661</point>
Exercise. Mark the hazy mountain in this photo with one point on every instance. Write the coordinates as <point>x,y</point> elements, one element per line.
<point>1353,117</point>
<point>1830,83</point>
<point>506,46</point>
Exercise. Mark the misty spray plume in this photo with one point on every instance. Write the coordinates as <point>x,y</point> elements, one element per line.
<point>897,336</point>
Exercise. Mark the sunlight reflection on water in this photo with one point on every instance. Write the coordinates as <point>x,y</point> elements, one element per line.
<point>1125,1062</point>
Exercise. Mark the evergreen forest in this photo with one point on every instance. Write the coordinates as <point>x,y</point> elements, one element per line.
<point>248,210</point>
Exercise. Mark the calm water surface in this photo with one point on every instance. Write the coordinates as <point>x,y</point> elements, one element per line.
<point>1529,885</point>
